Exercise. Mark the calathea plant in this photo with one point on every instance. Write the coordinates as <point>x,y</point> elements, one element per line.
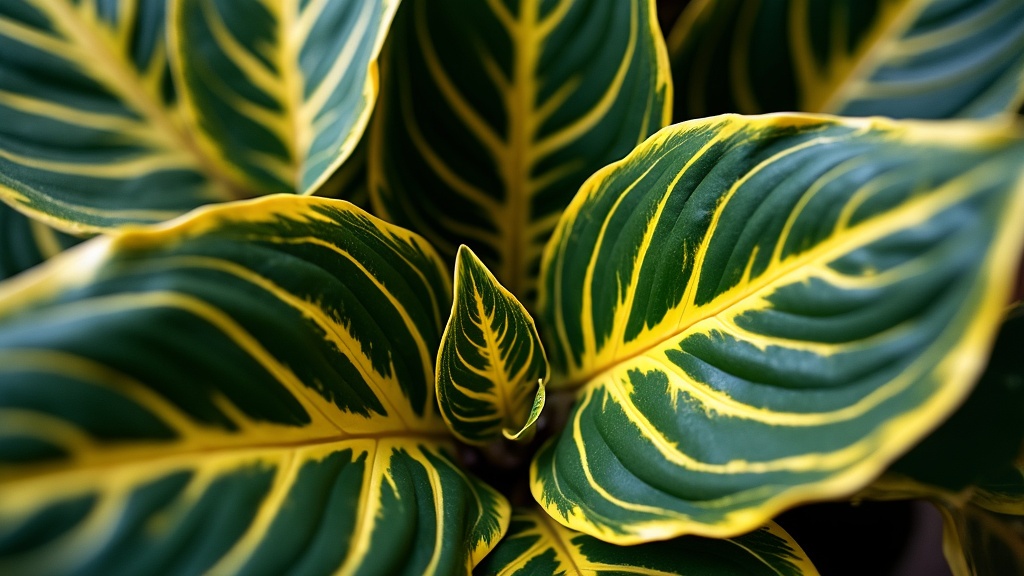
<point>578,340</point>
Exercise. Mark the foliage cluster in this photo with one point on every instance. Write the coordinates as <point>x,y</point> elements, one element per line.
<point>573,337</point>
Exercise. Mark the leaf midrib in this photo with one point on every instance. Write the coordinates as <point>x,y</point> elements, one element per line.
<point>155,452</point>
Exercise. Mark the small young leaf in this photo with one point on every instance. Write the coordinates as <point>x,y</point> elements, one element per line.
<point>491,368</point>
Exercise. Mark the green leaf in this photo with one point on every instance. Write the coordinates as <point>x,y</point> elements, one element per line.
<point>979,543</point>
<point>491,368</point>
<point>90,135</point>
<point>25,242</point>
<point>280,91</point>
<point>246,390</point>
<point>536,544</point>
<point>899,58</point>
<point>763,311</point>
<point>493,113</point>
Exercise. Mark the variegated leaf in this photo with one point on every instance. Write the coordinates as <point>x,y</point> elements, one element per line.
<point>279,90</point>
<point>90,137</point>
<point>762,311</point>
<point>493,113</point>
<point>246,390</point>
<point>898,58</point>
<point>536,544</point>
<point>491,368</point>
<point>25,242</point>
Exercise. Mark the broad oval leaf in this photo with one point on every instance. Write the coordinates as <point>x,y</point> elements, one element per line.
<point>247,390</point>
<point>491,367</point>
<point>25,242</point>
<point>897,58</point>
<point>280,91</point>
<point>90,136</point>
<point>493,113</point>
<point>536,544</point>
<point>762,311</point>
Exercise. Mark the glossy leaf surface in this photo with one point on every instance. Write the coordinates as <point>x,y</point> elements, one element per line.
<point>762,311</point>
<point>25,243</point>
<point>279,90</point>
<point>248,390</point>
<point>493,113</point>
<point>898,58</point>
<point>491,368</point>
<point>536,544</point>
<point>90,136</point>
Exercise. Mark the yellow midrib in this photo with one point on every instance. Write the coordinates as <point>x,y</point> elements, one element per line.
<point>155,450</point>
<point>118,76</point>
<point>498,368</point>
<point>515,167</point>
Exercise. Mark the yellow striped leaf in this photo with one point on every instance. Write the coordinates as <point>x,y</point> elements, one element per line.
<point>90,135</point>
<point>279,90</point>
<point>493,113</point>
<point>898,58</point>
<point>246,390</point>
<point>491,367</point>
<point>762,311</point>
<point>25,242</point>
<point>536,544</point>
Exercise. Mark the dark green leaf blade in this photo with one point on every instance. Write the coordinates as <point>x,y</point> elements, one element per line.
<point>536,544</point>
<point>899,58</point>
<point>491,367</point>
<point>248,389</point>
<point>493,113</point>
<point>762,311</point>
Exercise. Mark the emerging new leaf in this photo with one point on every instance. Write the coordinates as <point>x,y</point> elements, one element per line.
<point>493,113</point>
<point>90,134</point>
<point>898,58</point>
<point>278,90</point>
<point>491,368</point>
<point>762,311</point>
<point>536,544</point>
<point>246,390</point>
